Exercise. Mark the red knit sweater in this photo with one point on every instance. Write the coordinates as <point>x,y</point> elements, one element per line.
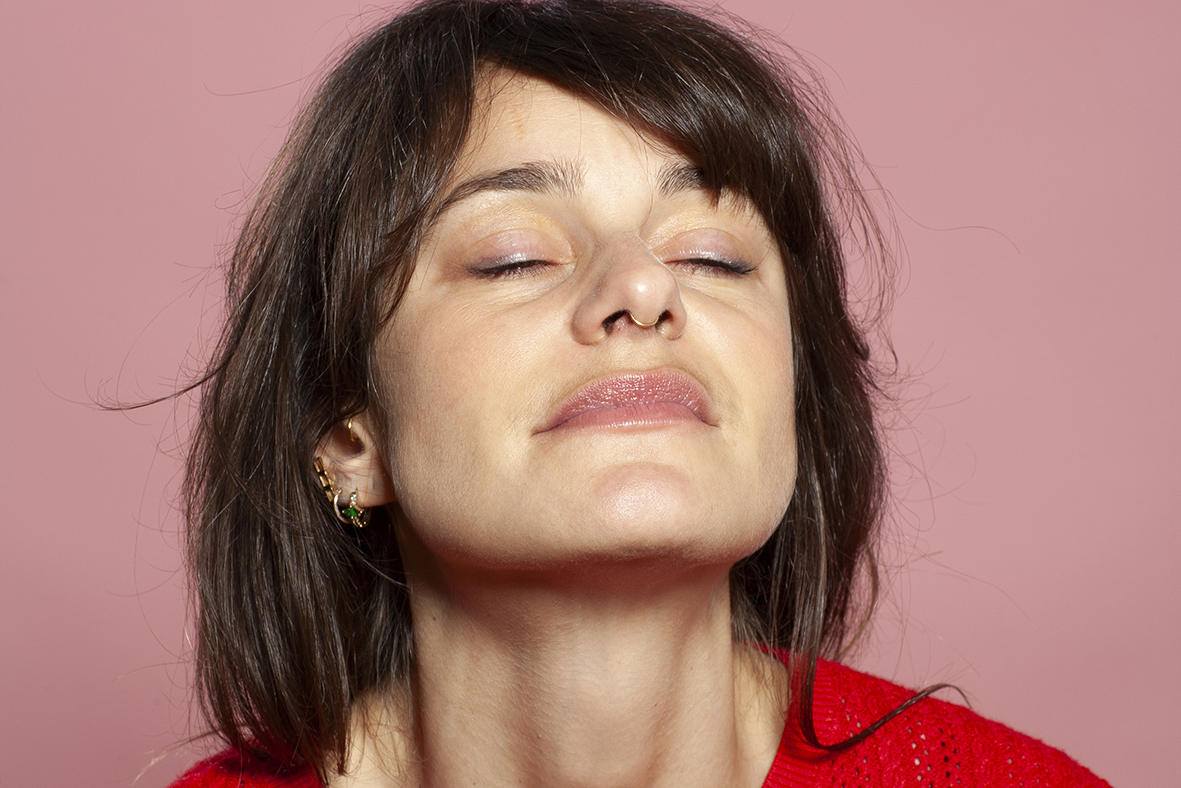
<point>932,744</point>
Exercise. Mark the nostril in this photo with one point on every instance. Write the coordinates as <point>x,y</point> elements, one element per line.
<point>610,320</point>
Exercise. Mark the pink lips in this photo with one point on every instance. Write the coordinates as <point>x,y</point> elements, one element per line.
<point>642,399</point>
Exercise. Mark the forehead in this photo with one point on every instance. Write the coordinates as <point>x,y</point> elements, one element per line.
<point>528,135</point>
<point>517,119</point>
<point>511,109</point>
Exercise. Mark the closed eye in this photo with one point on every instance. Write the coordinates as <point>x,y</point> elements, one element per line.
<point>509,269</point>
<point>712,266</point>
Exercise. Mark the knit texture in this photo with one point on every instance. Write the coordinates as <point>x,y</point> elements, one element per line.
<point>933,744</point>
<point>229,769</point>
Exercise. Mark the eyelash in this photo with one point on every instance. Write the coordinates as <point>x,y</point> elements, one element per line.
<point>519,268</point>
<point>716,266</point>
<point>509,269</point>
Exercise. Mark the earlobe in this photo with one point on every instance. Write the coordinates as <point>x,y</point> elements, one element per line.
<point>354,473</point>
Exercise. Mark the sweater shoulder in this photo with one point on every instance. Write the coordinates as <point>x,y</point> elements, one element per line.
<point>231,769</point>
<point>932,742</point>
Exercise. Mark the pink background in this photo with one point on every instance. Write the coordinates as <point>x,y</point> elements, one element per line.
<point>1031,150</point>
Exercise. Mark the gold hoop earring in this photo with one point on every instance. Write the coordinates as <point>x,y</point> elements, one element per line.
<point>351,514</point>
<point>349,426</point>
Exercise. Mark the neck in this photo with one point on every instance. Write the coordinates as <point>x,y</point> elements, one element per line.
<point>622,676</point>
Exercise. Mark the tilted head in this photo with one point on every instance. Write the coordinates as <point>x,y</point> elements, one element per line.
<point>299,615</point>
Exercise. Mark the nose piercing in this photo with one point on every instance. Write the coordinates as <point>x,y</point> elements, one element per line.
<point>643,325</point>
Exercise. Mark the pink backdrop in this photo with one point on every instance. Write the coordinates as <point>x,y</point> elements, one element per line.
<point>1031,151</point>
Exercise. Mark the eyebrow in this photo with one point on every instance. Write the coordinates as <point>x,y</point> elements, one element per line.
<point>539,177</point>
<point>562,177</point>
<point>675,178</point>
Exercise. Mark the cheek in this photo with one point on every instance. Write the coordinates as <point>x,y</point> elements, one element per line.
<point>779,451</point>
<point>447,379</point>
<point>425,391</point>
<point>788,465</point>
<point>771,409</point>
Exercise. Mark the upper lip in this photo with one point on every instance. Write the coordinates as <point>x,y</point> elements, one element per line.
<point>634,388</point>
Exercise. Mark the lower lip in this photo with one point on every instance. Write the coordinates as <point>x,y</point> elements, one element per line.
<point>638,417</point>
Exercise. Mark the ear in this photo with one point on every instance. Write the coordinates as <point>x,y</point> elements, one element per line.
<point>353,460</point>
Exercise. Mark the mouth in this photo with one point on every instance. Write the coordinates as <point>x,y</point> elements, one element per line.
<point>634,400</point>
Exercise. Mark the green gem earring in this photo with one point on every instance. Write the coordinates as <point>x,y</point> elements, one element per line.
<point>352,513</point>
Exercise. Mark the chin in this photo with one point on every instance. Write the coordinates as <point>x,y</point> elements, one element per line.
<point>636,514</point>
<point>649,512</point>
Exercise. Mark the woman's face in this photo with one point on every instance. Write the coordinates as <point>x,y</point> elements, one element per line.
<point>533,422</point>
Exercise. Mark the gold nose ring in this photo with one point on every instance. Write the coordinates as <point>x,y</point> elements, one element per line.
<point>643,325</point>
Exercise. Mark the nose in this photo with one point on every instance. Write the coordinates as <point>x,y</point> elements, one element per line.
<point>630,290</point>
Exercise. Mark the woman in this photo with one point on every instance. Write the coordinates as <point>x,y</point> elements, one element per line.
<point>539,447</point>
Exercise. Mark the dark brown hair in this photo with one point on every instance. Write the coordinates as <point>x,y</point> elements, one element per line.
<point>297,615</point>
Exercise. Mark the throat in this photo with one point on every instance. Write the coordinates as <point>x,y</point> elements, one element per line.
<point>549,692</point>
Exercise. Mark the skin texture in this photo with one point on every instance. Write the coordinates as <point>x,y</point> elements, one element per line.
<point>569,586</point>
